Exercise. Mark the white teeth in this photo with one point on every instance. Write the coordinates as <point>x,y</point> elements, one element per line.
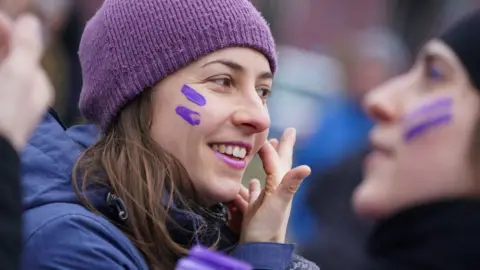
<point>236,151</point>
<point>233,150</point>
<point>243,153</point>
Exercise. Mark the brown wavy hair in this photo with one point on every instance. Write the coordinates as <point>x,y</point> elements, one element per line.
<point>138,170</point>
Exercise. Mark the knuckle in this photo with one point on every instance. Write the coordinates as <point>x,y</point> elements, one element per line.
<point>28,47</point>
<point>14,72</point>
<point>269,187</point>
<point>292,189</point>
<point>272,179</point>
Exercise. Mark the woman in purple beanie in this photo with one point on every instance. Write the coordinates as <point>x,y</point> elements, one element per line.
<point>178,90</point>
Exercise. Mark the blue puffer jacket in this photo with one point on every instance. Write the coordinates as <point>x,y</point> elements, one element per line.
<point>59,233</point>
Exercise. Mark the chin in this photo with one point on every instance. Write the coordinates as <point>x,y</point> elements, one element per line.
<point>369,204</point>
<point>222,192</point>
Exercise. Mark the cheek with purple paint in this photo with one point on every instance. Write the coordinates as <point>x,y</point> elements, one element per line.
<point>227,154</point>
<point>193,96</point>
<point>190,116</point>
<point>427,117</point>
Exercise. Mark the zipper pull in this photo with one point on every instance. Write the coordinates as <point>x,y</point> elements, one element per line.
<point>117,203</point>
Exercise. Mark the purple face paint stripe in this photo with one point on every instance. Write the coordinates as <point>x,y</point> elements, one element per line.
<point>443,103</point>
<point>193,95</point>
<point>192,117</point>
<point>424,126</point>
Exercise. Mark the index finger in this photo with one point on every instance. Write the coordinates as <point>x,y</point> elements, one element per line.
<point>270,163</point>
<point>285,146</point>
<point>269,158</point>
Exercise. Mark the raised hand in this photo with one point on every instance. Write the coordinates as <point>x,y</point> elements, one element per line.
<point>25,91</point>
<point>268,210</point>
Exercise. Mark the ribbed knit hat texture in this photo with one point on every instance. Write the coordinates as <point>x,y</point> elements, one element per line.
<point>130,45</point>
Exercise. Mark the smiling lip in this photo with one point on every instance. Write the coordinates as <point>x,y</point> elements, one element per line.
<point>379,152</point>
<point>384,150</point>
<point>238,164</point>
<point>234,163</point>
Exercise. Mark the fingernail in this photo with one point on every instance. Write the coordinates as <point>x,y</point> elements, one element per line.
<point>291,132</point>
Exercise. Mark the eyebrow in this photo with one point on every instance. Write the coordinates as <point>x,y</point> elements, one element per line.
<point>425,54</point>
<point>239,68</point>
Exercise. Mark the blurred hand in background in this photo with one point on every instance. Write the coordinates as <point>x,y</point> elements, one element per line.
<point>25,91</point>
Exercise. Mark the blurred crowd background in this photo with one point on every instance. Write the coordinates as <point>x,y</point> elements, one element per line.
<point>331,53</point>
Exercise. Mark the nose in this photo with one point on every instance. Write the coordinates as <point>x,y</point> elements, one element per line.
<point>381,104</point>
<point>253,119</point>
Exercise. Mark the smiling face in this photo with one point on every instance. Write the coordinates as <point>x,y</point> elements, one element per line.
<point>212,117</point>
<point>424,129</point>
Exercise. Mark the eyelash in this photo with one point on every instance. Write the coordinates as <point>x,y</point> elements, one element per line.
<point>266,93</point>
<point>228,82</point>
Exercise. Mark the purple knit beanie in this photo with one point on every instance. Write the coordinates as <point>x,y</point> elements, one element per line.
<point>130,45</point>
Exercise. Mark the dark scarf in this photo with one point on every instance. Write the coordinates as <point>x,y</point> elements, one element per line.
<point>437,236</point>
<point>198,225</point>
<point>203,226</point>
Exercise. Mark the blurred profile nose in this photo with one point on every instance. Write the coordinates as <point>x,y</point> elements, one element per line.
<point>382,103</point>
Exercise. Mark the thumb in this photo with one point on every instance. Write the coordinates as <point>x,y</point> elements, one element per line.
<point>291,182</point>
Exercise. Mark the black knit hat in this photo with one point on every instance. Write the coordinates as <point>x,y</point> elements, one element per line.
<point>464,39</point>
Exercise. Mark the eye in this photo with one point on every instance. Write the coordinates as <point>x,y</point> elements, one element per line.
<point>263,92</point>
<point>434,73</point>
<point>223,81</point>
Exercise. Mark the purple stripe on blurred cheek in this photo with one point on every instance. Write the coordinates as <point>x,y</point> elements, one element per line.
<point>424,126</point>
